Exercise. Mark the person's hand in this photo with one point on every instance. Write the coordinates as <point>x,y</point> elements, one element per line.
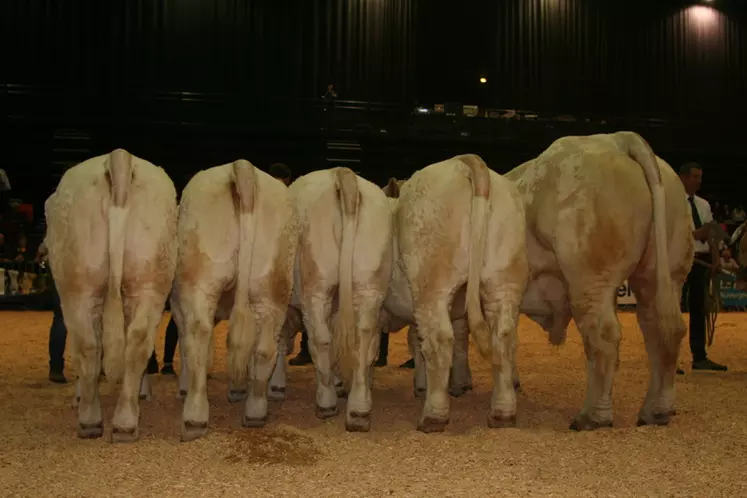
<point>701,234</point>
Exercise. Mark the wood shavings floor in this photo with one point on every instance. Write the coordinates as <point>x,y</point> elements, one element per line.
<point>702,453</point>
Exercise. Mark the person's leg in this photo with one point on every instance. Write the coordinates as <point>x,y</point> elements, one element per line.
<point>383,350</point>
<point>303,357</point>
<point>697,283</point>
<point>57,339</point>
<point>169,348</point>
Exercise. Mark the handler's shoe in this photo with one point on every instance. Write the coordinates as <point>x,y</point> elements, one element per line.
<point>708,365</point>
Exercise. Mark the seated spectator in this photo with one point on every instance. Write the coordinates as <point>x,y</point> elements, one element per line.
<point>22,246</point>
<point>3,249</point>
<point>728,263</point>
<point>738,215</point>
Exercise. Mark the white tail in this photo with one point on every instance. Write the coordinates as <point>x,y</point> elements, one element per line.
<point>345,335</point>
<point>667,306</point>
<point>242,332</point>
<point>480,175</point>
<point>114,339</point>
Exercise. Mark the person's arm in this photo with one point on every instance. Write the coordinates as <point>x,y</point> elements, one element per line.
<point>706,217</point>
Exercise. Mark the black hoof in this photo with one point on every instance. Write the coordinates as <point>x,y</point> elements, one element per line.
<point>236,395</point>
<point>193,430</point>
<point>431,424</point>
<point>419,392</point>
<point>586,424</point>
<point>657,419</point>
<point>124,435</point>
<point>458,391</point>
<point>501,421</point>
<point>358,422</point>
<point>253,423</point>
<point>326,413</point>
<point>90,431</point>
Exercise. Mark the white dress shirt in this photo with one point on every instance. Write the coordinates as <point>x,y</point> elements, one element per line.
<point>704,211</point>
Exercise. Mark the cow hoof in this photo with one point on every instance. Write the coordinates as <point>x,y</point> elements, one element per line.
<point>584,423</point>
<point>193,430</point>
<point>655,419</point>
<point>145,397</point>
<point>358,422</point>
<point>182,394</point>
<point>501,421</point>
<point>276,393</point>
<point>76,401</point>
<point>517,385</point>
<point>121,435</point>
<point>457,391</point>
<point>325,413</point>
<point>235,395</point>
<point>419,392</point>
<point>90,431</point>
<point>433,424</point>
<point>341,392</point>
<point>253,423</point>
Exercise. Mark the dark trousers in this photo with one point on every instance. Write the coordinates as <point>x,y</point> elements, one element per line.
<point>57,334</point>
<point>384,347</point>
<point>304,342</point>
<point>172,337</point>
<point>169,347</point>
<point>695,289</point>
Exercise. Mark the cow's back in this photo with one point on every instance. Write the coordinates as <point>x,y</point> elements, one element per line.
<point>77,225</point>
<point>320,223</point>
<point>584,198</point>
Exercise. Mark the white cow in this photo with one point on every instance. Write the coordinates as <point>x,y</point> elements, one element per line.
<point>111,237</point>
<point>460,380</point>
<point>600,209</point>
<point>460,266</point>
<point>342,274</point>
<point>237,244</point>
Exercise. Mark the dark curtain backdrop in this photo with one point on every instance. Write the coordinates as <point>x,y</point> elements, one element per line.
<point>257,49</point>
<point>636,57</point>
<point>666,58</point>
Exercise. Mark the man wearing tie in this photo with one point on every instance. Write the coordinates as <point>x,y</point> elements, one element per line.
<point>691,175</point>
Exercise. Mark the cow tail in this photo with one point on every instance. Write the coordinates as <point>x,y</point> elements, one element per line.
<point>344,333</point>
<point>667,305</point>
<point>119,170</point>
<point>480,175</point>
<point>242,332</point>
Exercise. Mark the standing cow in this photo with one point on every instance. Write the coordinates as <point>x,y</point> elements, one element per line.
<point>601,208</point>
<point>461,267</point>
<point>342,274</point>
<point>111,237</point>
<point>237,244</point>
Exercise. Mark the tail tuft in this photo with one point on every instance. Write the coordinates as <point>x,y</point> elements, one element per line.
<point>119,171</point>
<point>345,333</point>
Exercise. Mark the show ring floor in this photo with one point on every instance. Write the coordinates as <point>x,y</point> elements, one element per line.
<point>703,452</point>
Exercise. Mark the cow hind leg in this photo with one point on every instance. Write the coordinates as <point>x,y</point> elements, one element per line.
<point>197,336</point>
<point>141,331</point>
<point>83,319</point>
<point>503,360</point>
<point>358,409</point>
<point>460,378</point>
<point>414,345</point>
<point>437,342</point>
<point>658,406</point>
<point>269,319</point>
<point>316,318</point>
<point>595,314</point>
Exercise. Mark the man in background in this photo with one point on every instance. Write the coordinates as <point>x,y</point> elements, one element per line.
<point>696,284</point>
